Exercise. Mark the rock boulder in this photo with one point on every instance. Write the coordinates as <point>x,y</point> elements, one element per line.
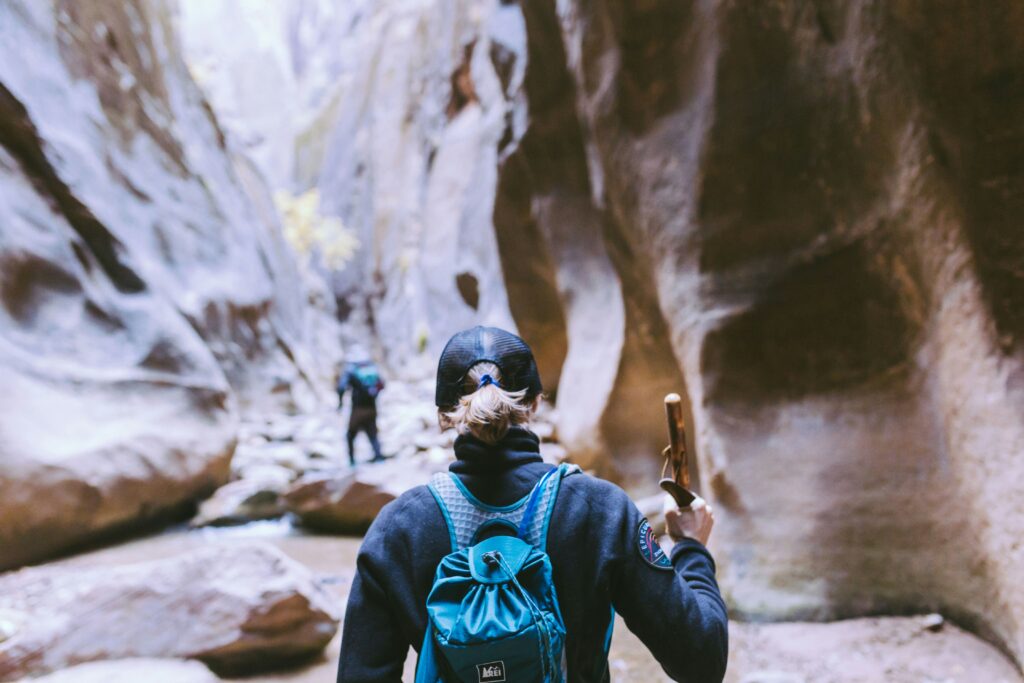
<point>347,501</point>
<point>145,293</point>
<point>132,671</point>
<point>235,608</point>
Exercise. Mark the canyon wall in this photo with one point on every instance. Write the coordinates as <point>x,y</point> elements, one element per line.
<point>826,197</point>
<point>146,294</point>
<point>413,121</point>
<point>801,215</point>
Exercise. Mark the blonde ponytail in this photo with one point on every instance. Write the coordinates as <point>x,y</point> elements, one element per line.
<point>489,411</point>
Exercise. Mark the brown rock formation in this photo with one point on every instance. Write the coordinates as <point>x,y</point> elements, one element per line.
<point>234,608</point>
<point>824,198</point>
<point>347,501</point>
<point>143,295</point>
<point>806,211</point>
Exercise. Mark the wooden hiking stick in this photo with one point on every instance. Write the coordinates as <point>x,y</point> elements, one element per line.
<point>678,485</point>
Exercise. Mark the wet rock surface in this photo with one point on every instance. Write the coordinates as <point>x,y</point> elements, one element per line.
<point>235,608</point>
<point>132,671</point>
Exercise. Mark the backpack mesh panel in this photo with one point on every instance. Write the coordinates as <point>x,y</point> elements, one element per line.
<point>466,516</point>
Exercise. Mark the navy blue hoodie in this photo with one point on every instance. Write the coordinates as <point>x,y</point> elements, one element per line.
<point>601,557</point>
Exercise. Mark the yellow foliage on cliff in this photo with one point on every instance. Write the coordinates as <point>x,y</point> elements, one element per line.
<point>308,231</point>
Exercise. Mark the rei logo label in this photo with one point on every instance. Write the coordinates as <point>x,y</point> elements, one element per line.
<point>491,672</point>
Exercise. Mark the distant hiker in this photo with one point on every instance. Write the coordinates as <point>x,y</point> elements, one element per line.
<point>506,568</point>
<point>362,376</point>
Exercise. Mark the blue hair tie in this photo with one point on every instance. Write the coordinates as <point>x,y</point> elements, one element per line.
<point>487,379</point>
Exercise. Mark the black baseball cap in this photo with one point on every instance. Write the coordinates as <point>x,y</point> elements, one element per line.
<point>467,348</point>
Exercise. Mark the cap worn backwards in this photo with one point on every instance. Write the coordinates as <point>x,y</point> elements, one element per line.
<point>465,349</point>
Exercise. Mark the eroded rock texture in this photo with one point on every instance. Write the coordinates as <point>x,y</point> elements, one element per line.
<point>464,174</point>
<point>144,294</point>
<point>239,608</point>
<point>803,215</point>
<point>826,199</point>
<point>410,164</point>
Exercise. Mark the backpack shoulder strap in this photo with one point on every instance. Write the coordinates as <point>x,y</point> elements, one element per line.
<point>464,514</point>
<point>447,497</point>
<point>533,528</point>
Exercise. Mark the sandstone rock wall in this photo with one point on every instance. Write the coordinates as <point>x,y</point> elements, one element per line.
<point>801,214</point>
<point>410,163</point>
<point>826,198</point>
<point>144,296</point>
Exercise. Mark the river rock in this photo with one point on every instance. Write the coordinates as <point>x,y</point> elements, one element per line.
<point>233,607</point>
<point>132,671</point>
<point>347,501</point>
<point>287,455</point>
<point>242,501</point>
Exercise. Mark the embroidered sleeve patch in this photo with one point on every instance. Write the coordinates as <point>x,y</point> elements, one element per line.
<point>650,550</point>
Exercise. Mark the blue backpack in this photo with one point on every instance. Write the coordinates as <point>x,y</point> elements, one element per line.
<point>367,379</point>
<point>492,612</point>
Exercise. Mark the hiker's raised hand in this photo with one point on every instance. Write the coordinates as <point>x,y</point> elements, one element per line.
<point>693,522</point>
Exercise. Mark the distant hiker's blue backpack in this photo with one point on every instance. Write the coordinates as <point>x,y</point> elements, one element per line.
<point>367,378</point>
<point>492,612</point>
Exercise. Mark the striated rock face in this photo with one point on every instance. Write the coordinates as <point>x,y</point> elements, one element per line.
<point>396,113</point>
<point>144,294</point>
<point>410,164</point>
<point>801,215</point>
<point>824,200</point>
<point>234,608</point>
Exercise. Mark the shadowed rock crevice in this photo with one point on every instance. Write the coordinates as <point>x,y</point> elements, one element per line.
<point>653,38</point>
<point>830,325</point>
<point>529,273</point>
<point>463,91</point>
<point>634,425</point>
<point>469,289</point>
<point>973,96</point>
<point>19,137</point>
<point>545,182</point>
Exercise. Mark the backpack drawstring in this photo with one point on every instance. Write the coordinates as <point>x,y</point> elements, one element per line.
<point>495,558</point>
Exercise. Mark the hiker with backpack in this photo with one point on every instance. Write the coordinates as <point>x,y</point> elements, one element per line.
<point>506,568</point>
<point>363,377</point>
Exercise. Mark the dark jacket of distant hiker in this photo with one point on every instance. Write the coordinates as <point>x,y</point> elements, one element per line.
<point>364,380</point>
<point>595,544</point>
